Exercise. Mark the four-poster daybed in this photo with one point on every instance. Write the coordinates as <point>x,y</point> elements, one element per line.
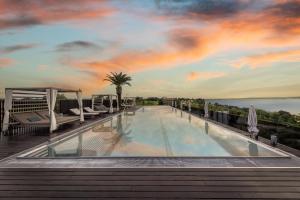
<point>38,117</point>
<point>98,102</point>
<point>129,102</point>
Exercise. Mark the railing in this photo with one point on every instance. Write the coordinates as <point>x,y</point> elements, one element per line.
<point>287,135</point>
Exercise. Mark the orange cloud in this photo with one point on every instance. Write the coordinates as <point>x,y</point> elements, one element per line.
<point>4,62</point>
<point>265,60</point>
<point>29,13</point>
<point>249,30</point>
<point>204,75</point>
<point>184,46</point>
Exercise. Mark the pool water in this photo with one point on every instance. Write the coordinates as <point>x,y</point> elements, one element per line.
<point>155,131</point>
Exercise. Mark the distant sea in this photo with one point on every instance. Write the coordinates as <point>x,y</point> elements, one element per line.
<point>291,105</point>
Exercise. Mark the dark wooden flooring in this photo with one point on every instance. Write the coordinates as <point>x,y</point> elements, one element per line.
<point>150,183</point>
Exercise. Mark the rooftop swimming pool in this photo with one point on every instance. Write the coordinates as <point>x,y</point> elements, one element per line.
<point>156,131</point>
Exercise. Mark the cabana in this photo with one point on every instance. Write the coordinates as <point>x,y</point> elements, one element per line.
<point>33,115</point>
<point>129,102</point>
<point>98,101</point>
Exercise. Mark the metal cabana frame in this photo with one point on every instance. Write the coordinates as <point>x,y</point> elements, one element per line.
<point>50,93</point>
<point>101,97</point>
<point>126,99</point>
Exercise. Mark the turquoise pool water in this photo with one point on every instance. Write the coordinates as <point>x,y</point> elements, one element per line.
<point>154,131</point>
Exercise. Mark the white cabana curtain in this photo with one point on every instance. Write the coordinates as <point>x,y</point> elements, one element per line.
<point>117,103</point>
<point>111,109</point>
<point>93,101</point>
<point>190,106</point>
<point>51,100</point>
<point>252,120</point>
<point>181,103</point>
<point>7,108</point>
<point>79,99</point>
<point>206,115</point>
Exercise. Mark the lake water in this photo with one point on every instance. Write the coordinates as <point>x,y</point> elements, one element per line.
<point>291,105</point>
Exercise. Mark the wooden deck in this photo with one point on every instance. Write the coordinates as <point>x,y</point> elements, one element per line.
<point>150,183</point>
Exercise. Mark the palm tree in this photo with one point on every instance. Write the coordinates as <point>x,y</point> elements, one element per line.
<point>118,79</point>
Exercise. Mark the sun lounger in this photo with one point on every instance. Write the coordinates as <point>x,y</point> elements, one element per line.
<point>89,110</point>
<point>76,112</point>
<point>30,119</point>
<point>101,108</point>
<point>41,118</point>
<point>60,119</point>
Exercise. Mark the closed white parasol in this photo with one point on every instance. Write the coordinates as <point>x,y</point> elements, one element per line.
<point>252,120</point>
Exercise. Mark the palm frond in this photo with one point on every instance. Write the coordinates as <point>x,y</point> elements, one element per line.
<point>118,79</point>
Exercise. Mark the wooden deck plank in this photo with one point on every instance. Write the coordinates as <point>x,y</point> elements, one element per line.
<point>152,174</point>
<point>143,170</point>
<point>158,198</point>
<point>123,183</point>
<point>166,183</point>
<point>135,194</point>
<point>138,188</point>
<point>153,178</point>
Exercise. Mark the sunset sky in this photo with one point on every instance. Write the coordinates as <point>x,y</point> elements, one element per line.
<point>193,48</point>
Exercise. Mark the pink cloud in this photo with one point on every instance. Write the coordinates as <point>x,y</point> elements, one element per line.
<point>15,14</point>
<point>267,59</point>
<point>5,62</point>
<point>204,75</point>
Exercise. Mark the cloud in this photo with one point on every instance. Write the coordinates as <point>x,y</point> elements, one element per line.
<point>194,42</point>
<point>183,47</point>
<point>77,45</point>
<point>18,21</point>
<point>267,59</point>
<point>216,26</point>
<point>204,75</point>
<point>5,62</point>
<point>24,13</point>
<point>204,9</point>
<point>14,48</point>
<point>286,8</point>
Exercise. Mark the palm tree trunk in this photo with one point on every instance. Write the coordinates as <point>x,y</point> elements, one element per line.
<point>119,94</point>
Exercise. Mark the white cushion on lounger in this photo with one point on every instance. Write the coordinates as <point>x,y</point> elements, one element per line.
<point>102,108</point>
<point>89,110</point>
<point>76,111</point>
